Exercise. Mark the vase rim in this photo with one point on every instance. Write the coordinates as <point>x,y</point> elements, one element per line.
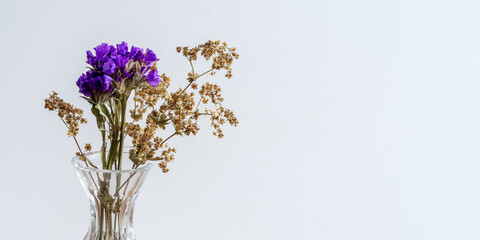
<point>76,163</point>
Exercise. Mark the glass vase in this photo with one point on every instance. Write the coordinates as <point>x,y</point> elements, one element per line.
<point>112,195</point>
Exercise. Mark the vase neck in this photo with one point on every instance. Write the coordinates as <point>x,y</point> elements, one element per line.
<point>112,198</point>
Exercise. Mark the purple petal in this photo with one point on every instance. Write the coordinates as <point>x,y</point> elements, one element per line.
<point>153,79</point>
<point>120,61</point>
<point>83,86</point>
<point>109,67</point>
<point>90,58</point>
<point>136,53</point>
<point>94,82</point>
<point>103,51</point>
<point>150,57</point>
<point>122,49</point>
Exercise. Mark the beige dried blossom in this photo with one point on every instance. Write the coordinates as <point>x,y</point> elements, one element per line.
<point>180,108</point>
<point>71,116</point>
<point>148,97</point>
<point>167,156</point>
<point>221,54</point>
<point>88,147</point>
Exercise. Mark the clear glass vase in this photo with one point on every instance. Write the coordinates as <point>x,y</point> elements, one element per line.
<point>112,195</point>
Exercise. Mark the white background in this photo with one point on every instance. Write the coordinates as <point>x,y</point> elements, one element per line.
<point>358,119</point>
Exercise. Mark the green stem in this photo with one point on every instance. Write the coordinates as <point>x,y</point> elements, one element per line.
<point>108,222</point>
<point>122,130</point>
<point>104,149</point>
<point>112,152</point>
<point>102,215</point>
<point>126,181</point>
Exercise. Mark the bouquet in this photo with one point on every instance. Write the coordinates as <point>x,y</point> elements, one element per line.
<point>117,74</point>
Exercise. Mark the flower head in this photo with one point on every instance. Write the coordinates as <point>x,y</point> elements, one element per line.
<point>109,67</point>
<point>136,53</point>
<point>117,64</point>
<point>94,84</point>
<point>103,51</point>
<point>121,61</point>
<point>150,57</point>
<point>91,59</point>
<point>122,49</point>
<point>153,79</point>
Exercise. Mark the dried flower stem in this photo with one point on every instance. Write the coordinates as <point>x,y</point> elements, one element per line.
<point>204,73</point>
<point>80,149</point>
<point>124,183</point>
<point>122,130</point>
<point>173,134</point>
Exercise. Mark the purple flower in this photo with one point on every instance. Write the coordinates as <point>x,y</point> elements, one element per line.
<point>82,84</point>
<point>109,67</point>
<point>109,63</point>
<point>153,79</point>
<point>136,54</point>
<point>120,61</point>
<point>101,83</point>
<point>92,83</point>
<point>150,57</point>
<point>102,54</point>
<point>90,58</point>
<point>103,51</point>
<point>122,49</point>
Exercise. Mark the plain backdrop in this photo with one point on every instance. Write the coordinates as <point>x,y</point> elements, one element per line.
<point>359,120</point>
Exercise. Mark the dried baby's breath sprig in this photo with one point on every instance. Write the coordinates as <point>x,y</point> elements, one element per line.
<point>166,156</point>
<point>71,116</point>
<point>178,108</point>
<point>147,97</point>
<point>144,140</point>
<point>181,108</point>
<point>218,51</point>
<point>219,115</point>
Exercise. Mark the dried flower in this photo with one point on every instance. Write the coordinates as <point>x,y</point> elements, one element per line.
<point>70,115</point>
<point>115,69</point>
<point>221,54</point>
<point>180,108</point>
<point>96,85</point>
<point>88,147</point>
<point>116,72</point>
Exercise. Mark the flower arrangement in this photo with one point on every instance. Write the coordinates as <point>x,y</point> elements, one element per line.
<point>114,75</point>
<point>118,73</point>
